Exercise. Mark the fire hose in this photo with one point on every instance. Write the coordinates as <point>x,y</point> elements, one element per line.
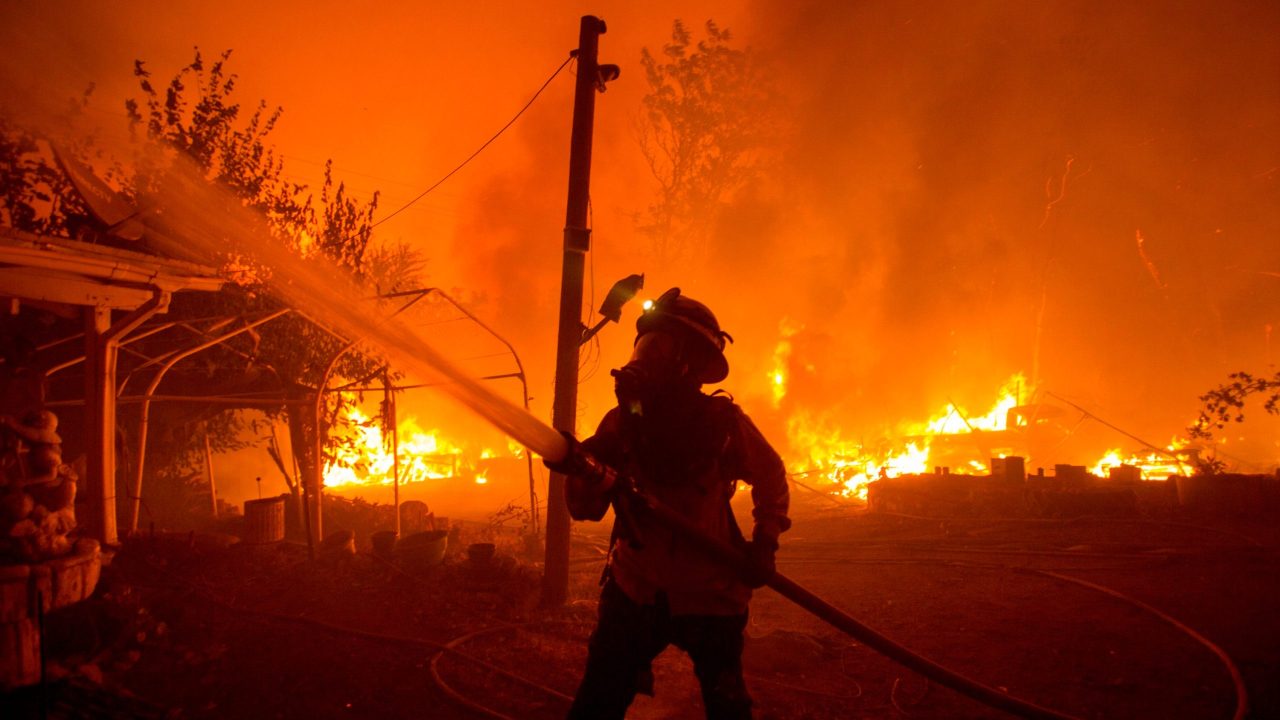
<point>418,355</point>
<point>806,599</point>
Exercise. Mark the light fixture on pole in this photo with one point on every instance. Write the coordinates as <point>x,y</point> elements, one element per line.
<point>611,309</point>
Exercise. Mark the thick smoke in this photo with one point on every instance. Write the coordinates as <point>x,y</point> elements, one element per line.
<point>1083,192</point>
<point>1080,192</point>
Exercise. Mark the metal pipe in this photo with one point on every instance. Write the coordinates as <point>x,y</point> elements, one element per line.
<point>1163,451</point>
<point>103,340</point>
<point>120,343</point>
<point>314,517</point>
<point>415,386</point>
<point>247,401</point>
<point>158,360</point>
<point>519,374</point>
<point>208,466</point>
<point>524,392</point>
<point>136,499</point>
<point>316,486</point>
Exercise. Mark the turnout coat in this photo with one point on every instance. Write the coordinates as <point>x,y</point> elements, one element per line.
<point>689,455</point>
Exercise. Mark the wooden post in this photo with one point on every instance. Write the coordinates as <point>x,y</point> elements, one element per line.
<point>100,426</point>
<point>393,425</point>
<point>577,241</point>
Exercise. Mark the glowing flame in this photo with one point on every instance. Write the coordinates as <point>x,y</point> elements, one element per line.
<point>781,356</point>
<point>822,452</point>
<point>1152,465</point>
<point>953,420</point>
<point>364,457</point>
<point>1110,460</point>
<point>848,466</point>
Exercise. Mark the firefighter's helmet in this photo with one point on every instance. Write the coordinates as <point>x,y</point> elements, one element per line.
<point>689,318</point>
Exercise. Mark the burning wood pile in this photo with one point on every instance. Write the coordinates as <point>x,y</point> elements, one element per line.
<point>37,490</point>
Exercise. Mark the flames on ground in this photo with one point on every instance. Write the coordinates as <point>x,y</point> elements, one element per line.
<point>365,456</point>
<point>952,439</point>
<point>817,451</point>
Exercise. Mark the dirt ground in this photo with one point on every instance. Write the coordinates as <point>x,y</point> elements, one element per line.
<point>184,626</point>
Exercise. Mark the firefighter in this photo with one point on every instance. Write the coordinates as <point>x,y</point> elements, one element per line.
<point>687,450</point>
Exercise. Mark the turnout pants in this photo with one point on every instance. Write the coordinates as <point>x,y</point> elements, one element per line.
<point>627,638</point>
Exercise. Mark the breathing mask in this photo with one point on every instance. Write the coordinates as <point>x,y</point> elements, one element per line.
<point>656,369</point>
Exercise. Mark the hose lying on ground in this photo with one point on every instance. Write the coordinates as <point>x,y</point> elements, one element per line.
<point>452,646</point>
<point>1237,679</point>
<point>843,621</point>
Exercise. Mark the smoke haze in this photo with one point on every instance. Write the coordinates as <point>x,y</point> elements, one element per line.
<point>1084,192</point>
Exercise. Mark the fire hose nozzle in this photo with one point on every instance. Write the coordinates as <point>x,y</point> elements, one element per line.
<point>580,463</point>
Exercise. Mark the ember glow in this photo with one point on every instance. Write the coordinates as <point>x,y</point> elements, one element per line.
<point>1153,465</point>
<point>781,356</point>
<point>365,457</point>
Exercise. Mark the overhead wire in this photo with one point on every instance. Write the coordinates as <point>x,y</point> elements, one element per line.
<point>591,359</point>
<point>480,149</point>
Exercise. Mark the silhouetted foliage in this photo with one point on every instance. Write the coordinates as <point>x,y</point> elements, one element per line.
<point>1225,403</point>
<point>35,195</point>
<point>195,118</point>
<point>705,124</point>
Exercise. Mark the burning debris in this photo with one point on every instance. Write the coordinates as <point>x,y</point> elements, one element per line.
<point>363,456</point>
<point>954,443</point>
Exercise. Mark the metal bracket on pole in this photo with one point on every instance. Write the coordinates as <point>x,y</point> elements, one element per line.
<point>577,239</point>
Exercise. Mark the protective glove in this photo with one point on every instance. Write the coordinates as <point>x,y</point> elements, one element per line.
<point>579,463</point>
<point>760,566</point>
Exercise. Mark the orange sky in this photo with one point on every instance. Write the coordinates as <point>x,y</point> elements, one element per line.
<point>395,96</point>
<point>906,229</point>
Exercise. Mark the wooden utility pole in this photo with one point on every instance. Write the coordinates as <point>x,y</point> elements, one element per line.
<point>577,241</point>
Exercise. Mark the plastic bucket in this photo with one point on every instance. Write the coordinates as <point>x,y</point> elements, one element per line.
<point>481,553</point>
<point>264,520</point>
<point>423,549</point>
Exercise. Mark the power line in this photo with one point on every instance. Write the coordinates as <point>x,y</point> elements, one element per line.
<point>479,150</point>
